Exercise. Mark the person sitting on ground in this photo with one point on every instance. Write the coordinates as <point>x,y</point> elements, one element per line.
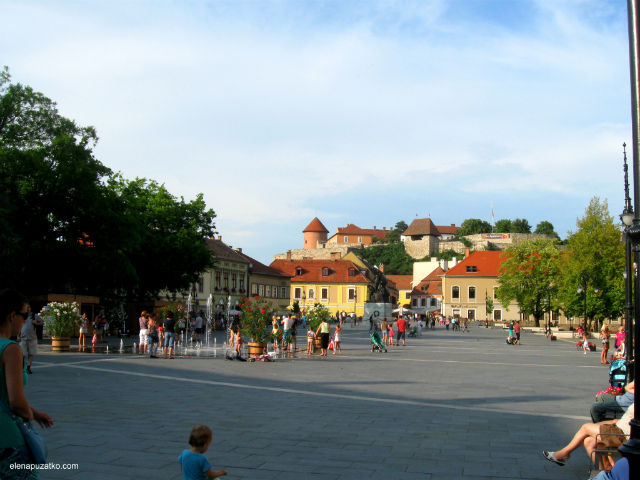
<point>612,403</point>
<point>587,436</point>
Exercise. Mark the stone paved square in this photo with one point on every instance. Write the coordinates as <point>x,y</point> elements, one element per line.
<point>448,405</point>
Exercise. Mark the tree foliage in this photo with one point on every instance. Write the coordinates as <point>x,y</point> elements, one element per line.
<point>545,228</point>
<point>394,235</point>
<point>503,226</point>
<point>69,225</point>
<point>393,256</point>
<point>529,276</point>
<point>595,259</point>
<point>520,225</point>
<point>472,226</point>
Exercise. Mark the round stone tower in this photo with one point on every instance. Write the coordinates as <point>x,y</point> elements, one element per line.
<point>314,233</point>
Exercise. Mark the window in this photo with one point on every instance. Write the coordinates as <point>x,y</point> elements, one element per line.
<point>434,302</point>
<point>414,302</point>
<point>407,295</point>
<point>268,292</point>
<point>495,293</point>
<point>261,290</point>
<point>359,239</point>
<point>254,289</point>
<point>218,279</point>
<point>497,315</point>
<point>423,288</point>
<point>283,292</point>
<point>423,303</point>
<point>555,315</point>
<point>352,272</point>
<point>324,294</point>
<point>298,271</point>
<point>440,287</point>
<point>325,272</point>
<point>201,284</point>
<point>471,314</point>
<point>352,294</point>
<point>455,312</point>
<point>472,269</point>
<point>455,292</point>
<point>346,239</point>
<point>226,279</point>
<point>234,280</point>
<point>242,282</point>
<point>297,293</point>
<point>312,294</point>
<point>275,292</point>
<point>472,293</point>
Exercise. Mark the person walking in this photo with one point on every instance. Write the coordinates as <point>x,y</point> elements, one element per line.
<point>29,338</point>
<point>517,328</point>
<point>402,328</point>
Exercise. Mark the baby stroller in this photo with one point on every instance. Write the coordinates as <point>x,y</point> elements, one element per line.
<point>618,373</point>
<point>376,343</point>
<point>413,332</point>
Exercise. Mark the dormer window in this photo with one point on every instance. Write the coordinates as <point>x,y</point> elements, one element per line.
<point>325,272</point>
<point>298,271</point>
<point>472,269</point>
<point>352,272</point>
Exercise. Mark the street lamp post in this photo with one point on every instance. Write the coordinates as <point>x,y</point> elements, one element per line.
<point>631,449</point>
<point>582,287</point>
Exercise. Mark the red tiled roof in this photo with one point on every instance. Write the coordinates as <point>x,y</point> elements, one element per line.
<point>352,229</point>
<point>421,226</point>
<point>431,283</point>
<point>223,251</point>
<point>486,263</point>
<point>448,230</point>
<point>316,226</point>
<point>403,282</point>
<point>261,268</point>
<point>312,271</point>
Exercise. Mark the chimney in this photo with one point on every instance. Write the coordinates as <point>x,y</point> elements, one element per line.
<point>239,250</point>
<point>445,265</point>
<point>289,256</point>
<point>453,224</point>
<point>220,237</point>
<point>466,252</point>
<point>374,227</point>
<point>381,268</point>
<point>384,228</point>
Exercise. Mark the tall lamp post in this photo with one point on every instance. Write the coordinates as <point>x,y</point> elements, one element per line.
<point>627,216</point>
<point>582,287</point>
<point>631,449</point>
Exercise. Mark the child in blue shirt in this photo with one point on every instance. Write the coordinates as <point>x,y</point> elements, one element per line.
<point>195,466</point>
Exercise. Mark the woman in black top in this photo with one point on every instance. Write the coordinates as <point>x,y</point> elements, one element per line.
<point>169,334</point>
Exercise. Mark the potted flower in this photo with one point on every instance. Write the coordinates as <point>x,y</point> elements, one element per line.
<point>60,323</point>
<point>256,318</point>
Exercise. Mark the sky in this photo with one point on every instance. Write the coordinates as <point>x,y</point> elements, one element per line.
<point>366,112</point>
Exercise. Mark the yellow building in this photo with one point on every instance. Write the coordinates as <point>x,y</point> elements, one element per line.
<point>338,284</point>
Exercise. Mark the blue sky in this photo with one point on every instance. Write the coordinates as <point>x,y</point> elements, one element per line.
<point>364,112</point>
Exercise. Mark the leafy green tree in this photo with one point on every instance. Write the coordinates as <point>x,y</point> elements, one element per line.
<point>69,225</point>
<point>503,226</point>
<point>394,257</point>
<point>520,225</point>
<point>545,228</point>
<point>393,236</point>
<point>594,260</point>
<point>529,275</point>
<point>472,226</point>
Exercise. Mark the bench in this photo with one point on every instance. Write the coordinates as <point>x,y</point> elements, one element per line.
<point>601,455</point>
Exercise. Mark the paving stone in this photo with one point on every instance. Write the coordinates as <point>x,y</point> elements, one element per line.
<point>446,406</point>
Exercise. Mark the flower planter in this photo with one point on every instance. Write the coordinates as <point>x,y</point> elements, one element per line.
<point>256,349</point>
<point>592,348</point>
<point>317,343</point>
<point>60,344</point>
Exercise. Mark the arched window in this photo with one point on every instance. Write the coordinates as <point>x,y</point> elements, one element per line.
<point>455,292</point>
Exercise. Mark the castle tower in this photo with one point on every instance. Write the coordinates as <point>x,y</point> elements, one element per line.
<point>314,233</point>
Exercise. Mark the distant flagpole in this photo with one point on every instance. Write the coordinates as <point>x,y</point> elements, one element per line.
<point>493,223</point>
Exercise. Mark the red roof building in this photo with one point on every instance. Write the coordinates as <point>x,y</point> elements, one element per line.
<point>354,234</point>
